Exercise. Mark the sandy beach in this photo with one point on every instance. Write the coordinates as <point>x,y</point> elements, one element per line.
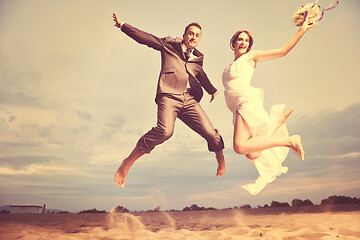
<point>272,223</point>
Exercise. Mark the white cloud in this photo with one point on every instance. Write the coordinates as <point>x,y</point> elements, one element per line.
<point>38,170</point>
<point>350,155</point>
<point>84,115</point>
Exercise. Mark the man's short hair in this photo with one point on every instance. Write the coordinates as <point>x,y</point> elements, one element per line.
<point>192,24</point>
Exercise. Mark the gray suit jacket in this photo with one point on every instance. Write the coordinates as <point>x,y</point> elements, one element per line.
<point>176,71</point>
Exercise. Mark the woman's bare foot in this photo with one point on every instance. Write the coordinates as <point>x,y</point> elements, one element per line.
<point>221,163</point>
<point>284,117</point>
<point>295,144</point>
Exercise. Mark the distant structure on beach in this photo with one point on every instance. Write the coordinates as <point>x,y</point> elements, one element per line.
<point>26,209</point>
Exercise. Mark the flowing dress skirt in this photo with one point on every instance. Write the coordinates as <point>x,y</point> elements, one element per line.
<point>250,107</point>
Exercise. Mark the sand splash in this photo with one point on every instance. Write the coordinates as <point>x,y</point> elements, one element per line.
<point>128,226</point>
<point>198,225</point>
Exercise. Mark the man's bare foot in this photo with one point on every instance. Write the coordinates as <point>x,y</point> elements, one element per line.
<point>295,144</point>
<point>221,163</point>
<point>121,174</point>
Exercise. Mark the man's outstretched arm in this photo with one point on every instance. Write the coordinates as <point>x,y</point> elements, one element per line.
<point>118,23</point>
<point>138,35</point>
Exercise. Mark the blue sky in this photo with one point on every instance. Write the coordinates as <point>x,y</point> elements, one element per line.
<point>76,94</point>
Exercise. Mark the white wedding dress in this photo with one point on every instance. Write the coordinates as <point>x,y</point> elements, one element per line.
<point>241,97</point>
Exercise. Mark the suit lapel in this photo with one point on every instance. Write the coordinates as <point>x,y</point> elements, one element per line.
<point>199,56</point>
<point>179,50</point>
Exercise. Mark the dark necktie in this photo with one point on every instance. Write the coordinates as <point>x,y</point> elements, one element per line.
<point>187,54</point>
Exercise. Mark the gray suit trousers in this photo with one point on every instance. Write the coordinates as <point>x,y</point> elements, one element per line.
<point>188,110</point>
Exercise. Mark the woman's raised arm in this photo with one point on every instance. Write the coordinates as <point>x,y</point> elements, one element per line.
<point>258,56</point>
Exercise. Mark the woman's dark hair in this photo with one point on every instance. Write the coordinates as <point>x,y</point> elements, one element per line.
<point>192,24</point>
<point>235,37</point>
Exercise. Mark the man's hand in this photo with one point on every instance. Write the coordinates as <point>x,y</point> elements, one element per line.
<point>213,96</point>
<point>116,20</point>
